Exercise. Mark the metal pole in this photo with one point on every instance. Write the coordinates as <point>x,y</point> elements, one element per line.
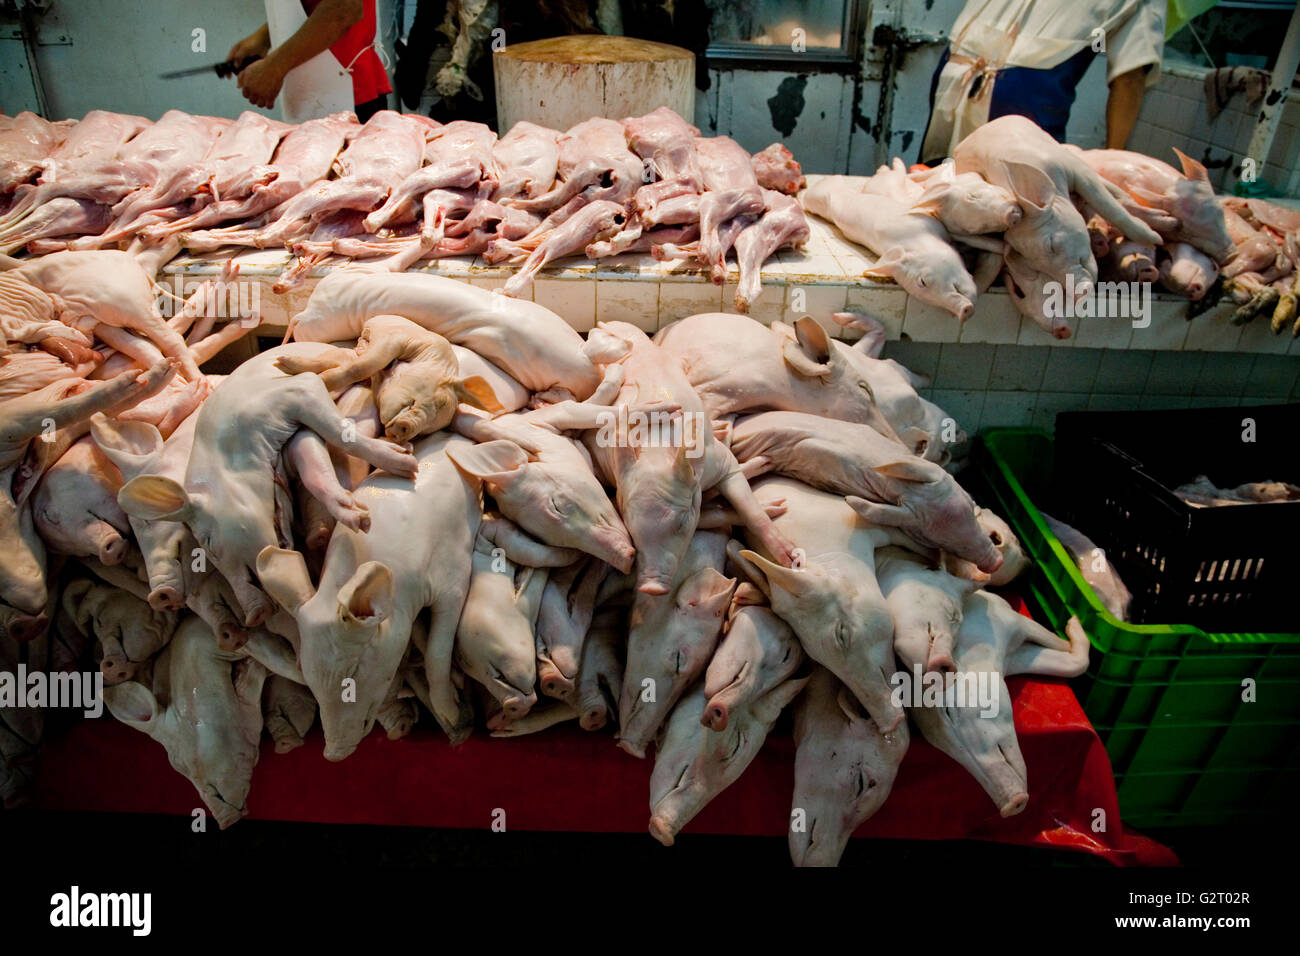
<point>1270,112</point>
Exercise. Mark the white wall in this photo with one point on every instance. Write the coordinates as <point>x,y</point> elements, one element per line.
<point>120,46</point>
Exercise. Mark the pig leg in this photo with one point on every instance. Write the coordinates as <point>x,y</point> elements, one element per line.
<point>288,710</point>
<point>523,549</point>
<point>599,678</point>
<point>113,395</point>
<point>316,411</point>
<point>448,700</point>
<point>539,718</point>
<point>310,458</point>
<point>1049,661</point>
<point>22,572</point>
<point>398,714</point>
<point>343,367</point>
<point>113,663</point>
<point>735,488</point>
<point>719,517</point>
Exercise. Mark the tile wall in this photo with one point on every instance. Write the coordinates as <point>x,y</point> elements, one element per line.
<point>1173,114</point>
<point>986,386</point>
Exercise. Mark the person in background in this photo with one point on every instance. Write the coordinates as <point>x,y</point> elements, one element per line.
<point>344,27</point>
<point>1027,57</point>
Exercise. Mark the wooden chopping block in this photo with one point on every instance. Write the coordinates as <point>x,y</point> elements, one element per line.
<point>561,81</point>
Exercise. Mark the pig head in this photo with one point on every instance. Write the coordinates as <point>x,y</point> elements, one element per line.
<point>840,622</point>
<point>758,652</point>
<point>350,641</point>
<point>495,641</point>
<point>205,708</point>
<point>554,496</point>
<point>694,764</point>
<point>844,769</point>
<point>671,638</point>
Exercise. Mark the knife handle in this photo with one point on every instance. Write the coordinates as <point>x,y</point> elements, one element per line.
<point>232,67</point>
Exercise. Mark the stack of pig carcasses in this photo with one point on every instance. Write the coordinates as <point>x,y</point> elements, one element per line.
<point>398,189</point>
<point>1055,222</point>
<point>439,501</point>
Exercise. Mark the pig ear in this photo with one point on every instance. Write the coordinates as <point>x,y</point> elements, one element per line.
<point>496,461</point>
<point>682,468</point>
<point>873,331</point>
<point>734,551</point>
<point>963,569</point>
<point>905,470</point>
<point>849,705</point>
<point>134,705</point>
<point>809,354</point>
<point>931,197</point>
<point>706,589</point>
<point>769,706</point>
<point>887,264</point>
<point>155,498</point>
<point>891,516</point>
<point>1191,168</point>
<point>604,347</point>
<point>917,439</point>
<point>1029,184</point>
<point>788,579</point>
<point>284,575</point>
<point>476,391</point>
<point>915,379</point>
<point>129,445</point>
<point>367,597</point>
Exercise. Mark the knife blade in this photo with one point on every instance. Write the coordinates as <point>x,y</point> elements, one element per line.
<point>223,69</point>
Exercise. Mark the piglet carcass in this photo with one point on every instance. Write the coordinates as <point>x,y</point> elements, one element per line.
<point>913,248</point>
<point>694,764</point>
<point>230,498</point>
<point>204,705</point>
<point>844,768</point>
<point>758,652</point>
<point>994,643</point>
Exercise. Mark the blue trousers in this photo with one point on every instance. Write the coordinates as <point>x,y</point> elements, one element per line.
<point>1045,96</point>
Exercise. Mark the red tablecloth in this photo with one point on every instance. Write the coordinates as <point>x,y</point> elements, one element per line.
<point>566,779</point>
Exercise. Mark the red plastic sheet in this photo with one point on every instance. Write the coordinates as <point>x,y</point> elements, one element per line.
<point>567,780</point>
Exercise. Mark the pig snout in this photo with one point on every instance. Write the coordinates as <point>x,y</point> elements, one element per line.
<point>226,814</point>
<point>1012,215</point>
<point>231,637</point>
<point>334,752</point>
<point>116,669</point>
<point>715,714</point>
<point>553,682</point>
<point>109,544</point>
<point>614,547</point>
<point>517,706</point>
<point>594,716</point>
<point>662,830</point>
<point>820,844</point>
<point>28,627</point>
<point>166,598</point>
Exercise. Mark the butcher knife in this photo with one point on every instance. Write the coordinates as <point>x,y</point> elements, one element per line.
<point>223,69</point>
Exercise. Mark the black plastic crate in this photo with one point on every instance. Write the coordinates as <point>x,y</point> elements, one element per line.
<point>1230,568</point>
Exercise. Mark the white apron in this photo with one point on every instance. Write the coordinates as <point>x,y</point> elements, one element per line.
<point>320,86</point>
<point>956,114</point>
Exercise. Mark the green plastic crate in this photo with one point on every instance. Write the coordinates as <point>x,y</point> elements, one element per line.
<point>1165,699</point>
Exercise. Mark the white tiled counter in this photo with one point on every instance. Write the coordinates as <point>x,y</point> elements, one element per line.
<point>824,277</point>
<point>996,370</point>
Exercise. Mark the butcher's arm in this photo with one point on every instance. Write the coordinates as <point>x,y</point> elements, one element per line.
<point>329,21</point>
<point>260,82</point>
<point>1122,106</point>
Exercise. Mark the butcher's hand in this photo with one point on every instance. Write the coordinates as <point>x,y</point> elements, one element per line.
<point>257,43</point>
<point>261,80</point>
